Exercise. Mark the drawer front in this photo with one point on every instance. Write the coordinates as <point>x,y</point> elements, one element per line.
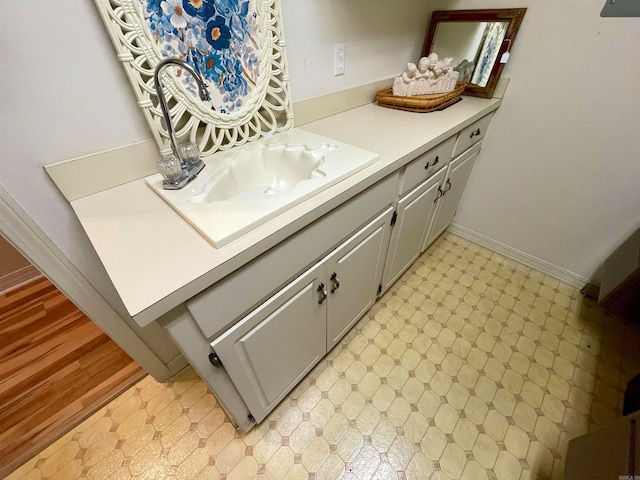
<point>427,164</point>
<point>471,135</point>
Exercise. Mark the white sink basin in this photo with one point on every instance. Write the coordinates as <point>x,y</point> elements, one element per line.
<point>264,170</point>
<point>246,186</point>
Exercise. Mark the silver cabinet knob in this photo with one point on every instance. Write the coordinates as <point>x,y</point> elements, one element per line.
<point>323,293</point>
<point>215,360</point>
<point>335,281</point>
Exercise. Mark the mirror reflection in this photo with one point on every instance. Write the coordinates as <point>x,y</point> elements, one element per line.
<point>478,41</point>
<point>474,47</point>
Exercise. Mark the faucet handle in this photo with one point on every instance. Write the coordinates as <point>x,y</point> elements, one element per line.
<point>170,168</point>
<point>189,153</point>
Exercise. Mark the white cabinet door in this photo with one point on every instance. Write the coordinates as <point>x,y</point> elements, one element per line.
<point>452,188</point>
<point>354,272</point>
<point>270,350</point>
<point>414,214</point>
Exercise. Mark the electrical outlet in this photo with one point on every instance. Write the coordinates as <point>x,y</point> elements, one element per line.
<point>339,59</point>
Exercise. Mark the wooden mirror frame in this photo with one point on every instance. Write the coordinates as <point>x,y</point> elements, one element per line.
<point>513,15</point>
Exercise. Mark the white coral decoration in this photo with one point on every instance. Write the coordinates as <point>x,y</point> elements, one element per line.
<point>431,76</point>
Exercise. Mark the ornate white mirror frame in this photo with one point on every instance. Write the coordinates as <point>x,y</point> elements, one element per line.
<point>238,47</point>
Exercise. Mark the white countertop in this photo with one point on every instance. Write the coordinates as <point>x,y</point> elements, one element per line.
<point>156,260</point>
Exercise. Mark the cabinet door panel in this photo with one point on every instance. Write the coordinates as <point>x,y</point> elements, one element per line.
<point>353,274</point>
<point>458,174</point>
<point>414,214</point>
<point>269,351</point>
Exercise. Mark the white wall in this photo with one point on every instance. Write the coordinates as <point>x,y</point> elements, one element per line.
<point>559,174</point>
<point>381,37</point>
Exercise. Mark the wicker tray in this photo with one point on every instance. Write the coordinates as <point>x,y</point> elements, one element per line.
<point>420,103</point>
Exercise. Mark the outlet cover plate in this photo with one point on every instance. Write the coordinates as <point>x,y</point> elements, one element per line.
<point>339,59</point>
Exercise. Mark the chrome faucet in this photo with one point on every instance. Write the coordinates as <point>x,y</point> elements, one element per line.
<point>189,172</point>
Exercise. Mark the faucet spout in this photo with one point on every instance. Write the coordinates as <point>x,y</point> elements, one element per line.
<point>202,90</point>
<point>188,170</point>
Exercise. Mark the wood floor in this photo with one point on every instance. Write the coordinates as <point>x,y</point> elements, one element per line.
<point>56,368</point>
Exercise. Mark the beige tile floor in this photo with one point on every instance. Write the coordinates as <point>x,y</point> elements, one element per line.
<point>472,366</point>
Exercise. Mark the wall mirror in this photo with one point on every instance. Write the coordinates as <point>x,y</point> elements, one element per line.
<point>479,41</point>
<point>236,45</point>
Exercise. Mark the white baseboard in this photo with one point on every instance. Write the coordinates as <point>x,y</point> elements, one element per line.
<point>19,278</point>
<point>177,364</point>
<point>543,266</point>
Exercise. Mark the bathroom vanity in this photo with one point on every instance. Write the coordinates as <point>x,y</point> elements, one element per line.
<point>254,316</point>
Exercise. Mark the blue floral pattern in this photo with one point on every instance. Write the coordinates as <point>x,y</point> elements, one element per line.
<point>219,38</point>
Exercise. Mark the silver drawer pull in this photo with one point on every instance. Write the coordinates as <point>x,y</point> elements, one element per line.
<point>323,293</point>
<point>476,133</point>
<point>335,281</point>
<point>435,162</point>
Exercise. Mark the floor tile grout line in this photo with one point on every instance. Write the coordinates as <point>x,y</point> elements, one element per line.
<point>362,332</point>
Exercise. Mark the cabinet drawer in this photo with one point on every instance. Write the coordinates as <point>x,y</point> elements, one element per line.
<point>427,164</point>
<point>472,135</point>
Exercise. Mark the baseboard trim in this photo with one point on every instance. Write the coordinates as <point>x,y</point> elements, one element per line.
<point>19,278</point>
<point>177,364</point>
<point>543,266</point>
<point>591,290</point>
